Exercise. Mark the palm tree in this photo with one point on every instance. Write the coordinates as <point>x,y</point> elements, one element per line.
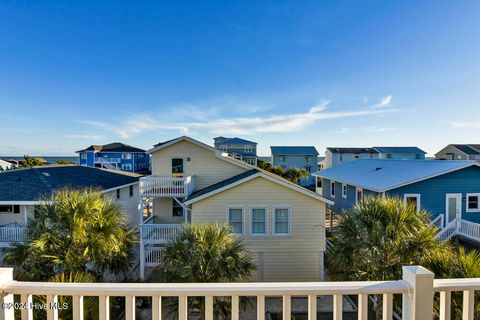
<point>206,253</point>
<point>74,231</point>
<point>379,236</point>
<point>295,174</point>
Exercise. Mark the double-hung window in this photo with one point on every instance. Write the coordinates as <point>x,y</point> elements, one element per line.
<point>248,148</point>
<point>126,156</point>
<point>332,189</point>
<point>258,218</point>
<point>281,221</point>
<point>473,202</point>
<point>235,219</point>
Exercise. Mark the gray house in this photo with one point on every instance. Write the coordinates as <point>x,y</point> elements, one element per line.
<point>297,157</point>
<point>400,153</point>
<point>238,148</point>
<point>335,156</point>
<point>459,152</point>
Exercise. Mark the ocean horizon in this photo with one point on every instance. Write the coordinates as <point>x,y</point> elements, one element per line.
<point>49,159</point>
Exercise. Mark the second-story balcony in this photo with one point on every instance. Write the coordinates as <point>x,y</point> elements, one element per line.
<point>155,186</point>
<point>107,160</point>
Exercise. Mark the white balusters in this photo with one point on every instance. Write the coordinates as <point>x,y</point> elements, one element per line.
<point>77,308</point>
<point>363,306</point>
<point>130,308</point>
<point>209,308</point>
<point>104,307</point>
<point>312,307</point>
<point>287,307</point>
<point>153,186</point>
<point>337,307</point>
<point>52,307</point>
<point>261,307</point>
<point>182,308</point>
<point>445,305</point>
<point>387,308</point>
<point>468,304</point>
<point>156,308</point>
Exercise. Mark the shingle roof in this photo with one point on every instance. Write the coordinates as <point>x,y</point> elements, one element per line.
<point>113,147</point>
<point>294,150</point>
<point>222,184</point>
<point>352,150</point>
<point>235,140</point>
<point>382,175</point>
<point>32,183</point>
<point>468,148</point>
<point>404,150</point>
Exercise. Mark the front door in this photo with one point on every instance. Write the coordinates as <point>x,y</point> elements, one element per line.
<point>453,207</point>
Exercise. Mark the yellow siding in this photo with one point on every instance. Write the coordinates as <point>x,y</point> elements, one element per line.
<point>204,164</point>
<point>162,210</point>
<point>285,258</point>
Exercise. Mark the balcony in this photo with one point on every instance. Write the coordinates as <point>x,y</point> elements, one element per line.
<point>417,287</point>
<point>154,186</point>
<point>107,160</point>
<point>11,234</point>
<point>158,233</point>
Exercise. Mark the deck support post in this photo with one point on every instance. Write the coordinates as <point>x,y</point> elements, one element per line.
<point>418,302</point>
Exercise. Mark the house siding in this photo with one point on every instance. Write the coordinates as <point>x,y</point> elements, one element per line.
<point>204,164</point>
<point>128,204</point>
<point>301,251</point>
<point>433,191</point>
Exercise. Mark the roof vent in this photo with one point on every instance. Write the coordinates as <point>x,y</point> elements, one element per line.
<point>378,168</point>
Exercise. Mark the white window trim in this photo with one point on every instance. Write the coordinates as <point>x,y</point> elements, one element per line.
<point>344,188</point>
<point>248,148</point>
<point>266,221</point>
<point>466,202</point>
<point>274,233</point>
<point>332,193</point>
<point>356,194</point>
<point>243,218</point>
<point>412,195</point>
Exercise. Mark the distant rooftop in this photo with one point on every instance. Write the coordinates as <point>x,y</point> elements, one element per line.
<point>112,147</point>
<point>404,150</point>
<point>30,184</point>
<point>352,150</point>
<point>382,175</point>
<point>235,140</point>
<point>468,148</point>
<point>294,150</point>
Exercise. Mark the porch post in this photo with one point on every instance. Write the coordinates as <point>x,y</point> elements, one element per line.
<point>322,265</point>
<point>25,214</point>
<point>142,257</point>
<point>6,275</point>
<point>418,302</point>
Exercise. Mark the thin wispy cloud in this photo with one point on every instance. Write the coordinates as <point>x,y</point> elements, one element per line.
<point>85,136</point>
<point>239,125</point>
<point>465,124</point>
<point>379,129</point>
<point>385,102</point>
<point>340,131</point>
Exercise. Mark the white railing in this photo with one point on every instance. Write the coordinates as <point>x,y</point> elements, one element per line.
<point>158,233</point>
<point>438,222</point>
<point>417,288</point>
<point>153,186</point>
<point>12,234</point>
<point>108,160</point>
<point>469,229</point>
<point>448,232</point>
<point>152,255</point>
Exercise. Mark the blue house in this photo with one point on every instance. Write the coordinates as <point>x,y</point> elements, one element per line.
<point>297,157</point>
<point>115,156</point>
<point>447,188</point>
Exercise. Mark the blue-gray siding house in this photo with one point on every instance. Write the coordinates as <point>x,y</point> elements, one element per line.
<point>238,148</point>
<point>116,156</point>
<point>400,153</point>
<point>297,157</point>
<point>449,188</point>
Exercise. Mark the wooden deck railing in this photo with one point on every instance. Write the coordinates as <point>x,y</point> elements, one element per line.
<point>153,186</point>
<point>12,234</point>
<point>417,287</point>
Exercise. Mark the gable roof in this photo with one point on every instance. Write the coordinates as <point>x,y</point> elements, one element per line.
<point>404,150</point>
<point>218,153</point>
<point>352,150</point>
<point>235,140</point>
<point>30,184</point>
<point>112,147</point>
<point>294,150</point>
<point>468,148</point>
<point>381,175</point>
<point>247,176</point>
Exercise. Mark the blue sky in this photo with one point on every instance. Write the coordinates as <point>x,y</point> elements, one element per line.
<point>322,73</point>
